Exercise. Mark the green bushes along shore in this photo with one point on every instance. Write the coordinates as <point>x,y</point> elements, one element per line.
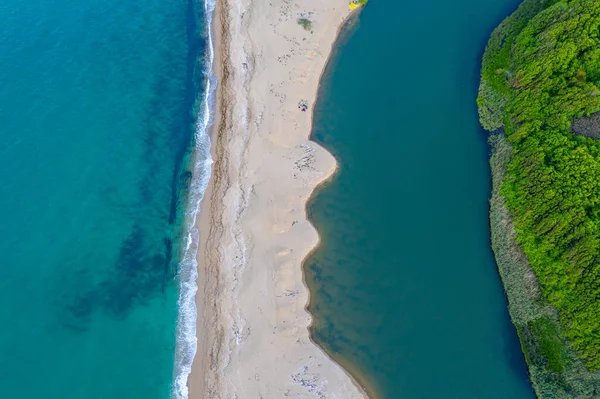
<point>540,72</point>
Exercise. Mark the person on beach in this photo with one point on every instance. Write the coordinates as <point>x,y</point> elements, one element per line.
<point>303,105</point>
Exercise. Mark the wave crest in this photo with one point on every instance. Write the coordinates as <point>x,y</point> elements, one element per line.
<point>187,341</point>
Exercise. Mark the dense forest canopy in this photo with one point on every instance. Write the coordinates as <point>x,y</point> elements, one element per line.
<point>541,70</point>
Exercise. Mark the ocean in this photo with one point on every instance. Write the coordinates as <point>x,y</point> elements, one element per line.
<point>104,107</point>
<point>404,287</point>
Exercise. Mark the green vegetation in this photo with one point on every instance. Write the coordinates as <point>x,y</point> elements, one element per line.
<point>555,369</point>
<point>541,70</point>
<point>305,23</point>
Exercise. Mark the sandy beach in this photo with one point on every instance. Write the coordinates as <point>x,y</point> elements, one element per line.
<point>252,331</point>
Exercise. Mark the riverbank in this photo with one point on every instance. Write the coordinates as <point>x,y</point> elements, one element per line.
<point>252,323</point>
<point>543,231</point>
<point>536,321</point>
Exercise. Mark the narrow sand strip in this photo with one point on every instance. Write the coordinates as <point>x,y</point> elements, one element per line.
<point>252,325</point>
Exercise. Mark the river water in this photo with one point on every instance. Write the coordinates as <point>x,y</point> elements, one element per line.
<point>405,290</point>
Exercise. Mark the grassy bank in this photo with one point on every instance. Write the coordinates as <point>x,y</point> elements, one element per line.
<point>540,73</point>
<point>556,371</point>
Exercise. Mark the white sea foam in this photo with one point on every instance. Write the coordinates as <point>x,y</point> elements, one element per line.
<point>187,341</point>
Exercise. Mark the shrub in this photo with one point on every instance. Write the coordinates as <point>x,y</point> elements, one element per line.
<point>305,23</point>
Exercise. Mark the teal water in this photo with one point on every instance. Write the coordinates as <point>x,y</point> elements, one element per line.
<point>97,124</point>
<point>404,287</point>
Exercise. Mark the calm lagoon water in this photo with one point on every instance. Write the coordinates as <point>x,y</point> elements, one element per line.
<point>406,293</point>
<point>97,120</point>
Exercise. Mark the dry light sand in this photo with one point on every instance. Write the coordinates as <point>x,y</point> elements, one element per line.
<point>253,340</point>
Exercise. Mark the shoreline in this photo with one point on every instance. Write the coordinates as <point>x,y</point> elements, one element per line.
<point>367,390</point>
<point>273,327</point>
<point>186,339</point>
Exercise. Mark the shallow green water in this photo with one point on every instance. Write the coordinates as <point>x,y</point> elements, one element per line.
<point>405,288</point>
<point>97,106</point>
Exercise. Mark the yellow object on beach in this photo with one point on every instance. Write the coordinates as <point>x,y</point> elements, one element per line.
<point>352,6</point>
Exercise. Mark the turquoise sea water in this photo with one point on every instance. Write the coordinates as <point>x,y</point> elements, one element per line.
<point>404,287</point>
<point>98,105</point>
